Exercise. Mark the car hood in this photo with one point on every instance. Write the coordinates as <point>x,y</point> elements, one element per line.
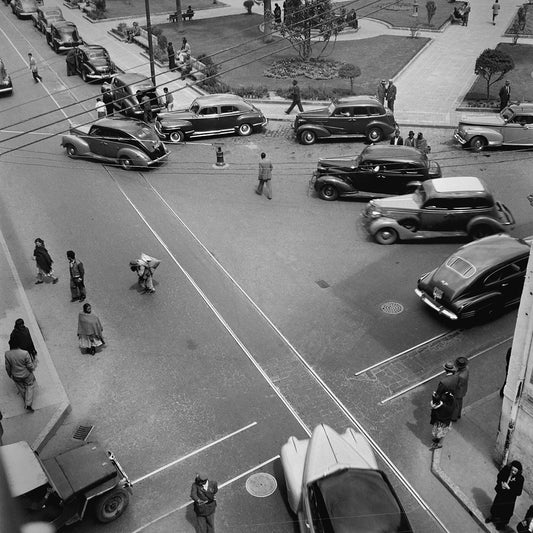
<point>482,120</point>
<point>405,201</point>
<point>337,162</point>
<point>82,129</point>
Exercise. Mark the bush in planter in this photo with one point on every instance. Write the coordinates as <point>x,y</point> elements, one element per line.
<point>122,28</point>
<point>156,32</point>
<point>248,4</point>
<point>251,91</point>
<point>160,55</point>
<point>162,42</point>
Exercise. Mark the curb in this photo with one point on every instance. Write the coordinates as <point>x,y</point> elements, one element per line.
<point>49,430</point>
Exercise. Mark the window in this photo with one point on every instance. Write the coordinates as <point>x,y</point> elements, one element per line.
<point>508,271</point>
<point>375,111</point>
<point>343,112</point>
<point>229,109</point>
<point>208,111</point>
<point>461,266</point>
<point>437,203</point>
<point>360,111</point>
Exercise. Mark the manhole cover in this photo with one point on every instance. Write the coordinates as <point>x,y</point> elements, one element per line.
<point>392,308</point>
<point>261,485</point>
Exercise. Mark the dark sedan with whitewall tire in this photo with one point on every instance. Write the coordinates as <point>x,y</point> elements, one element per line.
<point>128,143</point>
<point>208,116</point>
<point>93,63</point>
<point>63,35</point>
<point>479,280</point>
<point>24,9</point>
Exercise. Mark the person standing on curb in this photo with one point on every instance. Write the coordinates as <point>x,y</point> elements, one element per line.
<point>107,97</point>
<point>100,108</point>
<point>410,141</point>
<point>461,364</point>
<point>495,11</point>
<point>397,140</point>
<point>505,95</point>
<point>44,262</point>
<point>90,330</point>
<point>171,57</point>
<point>391,95</point>
<point>381,92</point>
<point>21,338</point>
<point>169,100</point>
<point>19,368</point>
<point>265,176</point>
<point>34,69</point>
<point>449,382</point>
<point>203,495</point>
<point>77,278</point>
<point>507,360</point>
<point>421,143</point>
<point>296,98</point>
<point>509,485</point>
<point>441,418</point>
<point>71,62</point>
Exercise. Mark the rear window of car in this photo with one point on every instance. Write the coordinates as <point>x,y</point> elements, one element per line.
<point>360,111</point>
<point>145,133</point>
<point>229,109</point>
<point>461,266</point>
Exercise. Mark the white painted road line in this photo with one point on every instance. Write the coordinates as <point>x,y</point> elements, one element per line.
<point>408,389</point>
<point>195,452</point>
<point>226,483</point>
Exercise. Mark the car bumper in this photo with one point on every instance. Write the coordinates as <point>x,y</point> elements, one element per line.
<point>6,89</point>
<point>99,75</point>
<point>458,138</point>
<point>441,310</point>
<point>161,159</point>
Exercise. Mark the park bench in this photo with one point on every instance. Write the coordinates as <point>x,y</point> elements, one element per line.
<point>458,20</point>
<point>187,14</point>
<point>173,17</point>
<point>142,39</point>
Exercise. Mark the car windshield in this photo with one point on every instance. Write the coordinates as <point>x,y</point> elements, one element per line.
<point>145,133</point>
<point>331,108</point>
<point>194,108</point>
<point>97,54</point>
<point>419,196</point>
<point>356,500</point>
<point>507,114</point>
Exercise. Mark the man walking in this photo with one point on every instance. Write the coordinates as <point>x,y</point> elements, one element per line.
<point>265,176</point>
<point>391,95</point>
<point>461,364</point>
<point>296,98</point>
<point>495,11</point>
<point>19,368</point>
<point>33,68</point>
<point>505,95</point>
<point>169,100</point>
<point>203,494</point>
<point>77,277</point>
<point>381,92</point>
<point>21,338</point>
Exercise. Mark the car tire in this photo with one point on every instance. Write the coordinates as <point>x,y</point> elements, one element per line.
<point>478,231</point>
<point>386,236</point>
<point>307,137</point>
<point>374,135</point>
<point>410,223</point>
<point>176,136</point>
<point>112,505</point>
<point>244,130</point>
<point>328,192</point>
<point>477,144</point>
<point>71,150</point>
<point>126,163</point>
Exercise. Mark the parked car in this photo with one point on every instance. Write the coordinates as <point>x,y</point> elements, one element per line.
<point>127,142</point>
<point>63,35</point>
<point>6,85</point>
<point>124,88</point>
<point>512,127</point>
<point>213,114</point>
<point>93,62</point>
<point>24,8</point>
<point>334,485</point>
<point>44,16</point>
<point>62,489</point>
<point>479,280</point>
<point>379,170</point>
<point>356,116</point>
<point>446,207</point>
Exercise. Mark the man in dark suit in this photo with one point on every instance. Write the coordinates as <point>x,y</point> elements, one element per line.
<point>505,95</point>
<point>461,364</point>
<point>296,98</point>
<point>203,494</point>
<point>391,95</point>
<point>449,382</point>
<point>397,140</point>
<point>20,367</point>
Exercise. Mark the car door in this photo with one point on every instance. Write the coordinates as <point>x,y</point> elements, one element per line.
<point>205,121</point>
<point>393,176</point>
<point>408,173</point>
<point>434,215</point>
<point>508,280</point>
<point>101,141</point>
<point>227,120</point>
<point>341,121</point>
<point>362,117</point>
<point>519,130</point>
<point>364,178</point>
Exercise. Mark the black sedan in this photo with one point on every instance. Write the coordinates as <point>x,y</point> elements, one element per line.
<point>380,170</point>
<point>479,280</point>
<point>63,35</point>
<point>92,62</point>
<point>6,85</point>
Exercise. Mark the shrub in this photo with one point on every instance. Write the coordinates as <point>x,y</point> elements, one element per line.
<point>121,28</point>
<point>99,5</point>
<point>248,4</point>
<point>162,42</point>
<point>156,31</point>
<point>160,55</point>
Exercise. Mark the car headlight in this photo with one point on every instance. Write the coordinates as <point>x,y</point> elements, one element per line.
<point>374,212</point>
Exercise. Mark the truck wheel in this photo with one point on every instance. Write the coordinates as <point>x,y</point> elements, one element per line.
<point>329,192</point>
<point>478,143</point>
<point>307,137</point>
<point>111,505</point>
<point>177,136</point>
<point>386,236</point>
<point>480,230</point>
<point>71,150</point>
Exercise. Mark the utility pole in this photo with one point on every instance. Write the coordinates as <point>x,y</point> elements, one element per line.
<point>179,20</point>
<point>150,45</point>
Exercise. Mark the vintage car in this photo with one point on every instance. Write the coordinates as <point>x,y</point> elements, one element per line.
<point>6,85</point>
<point>63,35</point>
<point>446,207</point>
<point>379,170</point>
<point>356,116</point>
<point>334,485</point>
<point>213,114</point>
<point>124,88</point>
<point>512,127</point>
<point>127,142</point>
<point>92,62</point>
<point>24,9</point>
<point>479,280</point>
<point>44,16</point>
<point>61,490</point>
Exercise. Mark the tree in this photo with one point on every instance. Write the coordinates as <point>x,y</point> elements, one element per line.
<point>493,65</point>
<point>349,71</point>
<point>268,17</point>
<point>305,23</point>
<point>431,9</point>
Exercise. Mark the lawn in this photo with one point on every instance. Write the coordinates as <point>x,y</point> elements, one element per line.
<point>528,29</point>
<point>520,76</point>
<point>132,8</point>
<point>236,45</point>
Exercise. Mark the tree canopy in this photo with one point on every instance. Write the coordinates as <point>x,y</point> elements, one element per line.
<point>493,65</point>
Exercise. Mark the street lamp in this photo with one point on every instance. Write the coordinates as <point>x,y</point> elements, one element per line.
<point>150,44</point>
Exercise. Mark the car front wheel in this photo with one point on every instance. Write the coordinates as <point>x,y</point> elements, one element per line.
<point>307,137</point>
<point>71,150</point>
<point>177,137</point>
<point>244,130</point>
<point>477,144</point>
<point>329,192</point>
<point>110,506</point>
<point>374,135</point>
<point>126,163</point>
<point>386,236</point>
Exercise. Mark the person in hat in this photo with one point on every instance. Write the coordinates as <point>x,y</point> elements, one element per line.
<point>391,95</point>
<point>21,338</point>
<point>77,277</point>
<point>461,365</point>
<point>145,275</point>
<point>203,495</point>
<point>449,382</point>
<point>410,141</point>
<point>44,262</point>
<point>90,330</point>
<point>381,91</point>
<point>296,98</point>
<point>441,418</point>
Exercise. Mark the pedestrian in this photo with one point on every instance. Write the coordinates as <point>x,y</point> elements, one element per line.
<point>108,100</point>
<point>171,57</point>
<point>34,69</point>
<point>397,140</point>
<point>495,11</point>
<point>145,267</point>
<point>21,338</point>
<point>381,92</point>
<point>441,418</point>
<point>410,141</point>
<point>99,108</point>
<point>169,99</point>
<point>277,14</point>
<point>509,484</point>
<point>185,50</point>
<point>505,95</point>
<point>507,360</point>
<point>391,95</point>
<point>185,65</point>
<point>449,382</point>
<point>44,263</point>
<point>461,365</point>
<point>71,62</point>
<point>77,278</point>
<point>146,105</point>
<point>19,368</point>
<point>466,14</point>
<point>89,330</point>
<point>265,176</point>
<point>421,143</point>
<point>296,98</point>
<point>526,525</point>
<point>203,495</point>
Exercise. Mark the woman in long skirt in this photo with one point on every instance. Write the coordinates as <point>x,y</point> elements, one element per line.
<point>171,57</point>
<point>89,330</point>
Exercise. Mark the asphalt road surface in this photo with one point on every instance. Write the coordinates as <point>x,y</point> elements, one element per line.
<point>266,316</point>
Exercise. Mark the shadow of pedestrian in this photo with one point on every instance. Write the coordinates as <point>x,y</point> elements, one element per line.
<point>482,500</point>
<point>420,400</point>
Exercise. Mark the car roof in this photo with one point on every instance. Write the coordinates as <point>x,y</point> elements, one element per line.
<point>63,24</point>
<point>392,153</point>
<point>358,100</point>
<point>89,47</point>
<point>456,186</point>
<point>50,11</point>
<point>218,98</point>
<point>130,78</point>
<point>124,124</point>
